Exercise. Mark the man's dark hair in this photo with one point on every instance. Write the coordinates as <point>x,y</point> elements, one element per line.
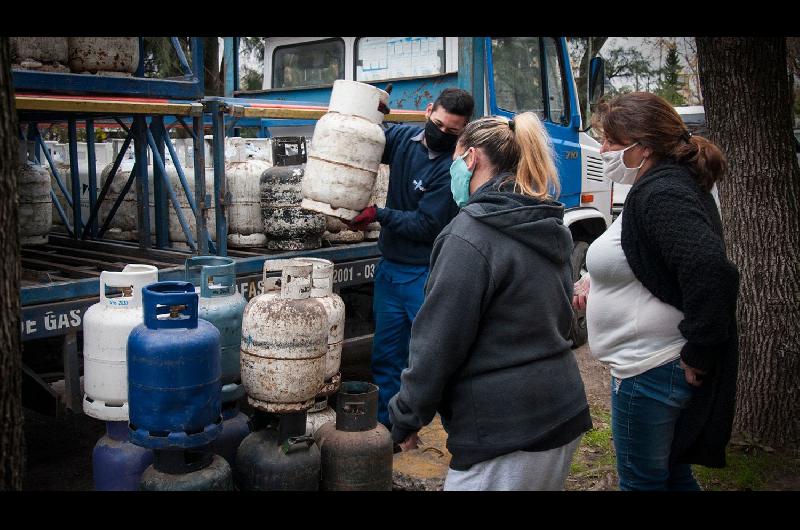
<point>455,101</point>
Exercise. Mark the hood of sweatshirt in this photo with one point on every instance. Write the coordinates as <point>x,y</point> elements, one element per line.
<point>533,222</point>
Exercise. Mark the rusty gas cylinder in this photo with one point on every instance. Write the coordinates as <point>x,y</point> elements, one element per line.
<point>356,449</point>
<point>284,341</point>
<point>108,55</point>
<point>322,290</point>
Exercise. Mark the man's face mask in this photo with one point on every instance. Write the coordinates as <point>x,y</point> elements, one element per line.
<point>460,175</point>
<point>438,140</point>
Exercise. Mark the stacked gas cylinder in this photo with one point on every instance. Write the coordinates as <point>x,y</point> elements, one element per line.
<point>33,189</point>
<point>214,279</point>
<point>287,224</point>
<point>162,368</point>
<point>290,356</point>
<point>109,56</point>
<point>174,391</point>
<point>117,464</point>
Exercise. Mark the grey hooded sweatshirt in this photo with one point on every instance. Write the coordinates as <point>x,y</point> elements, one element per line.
<point>489,347</point>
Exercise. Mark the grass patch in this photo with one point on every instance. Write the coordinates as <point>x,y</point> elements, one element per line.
<point>595,455</point>
<point>750,468</point>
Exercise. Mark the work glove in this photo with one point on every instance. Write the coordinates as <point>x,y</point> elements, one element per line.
<point>367,216</point>
<point>383,107</point>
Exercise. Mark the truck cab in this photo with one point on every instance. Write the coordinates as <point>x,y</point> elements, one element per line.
<point>506,75</point>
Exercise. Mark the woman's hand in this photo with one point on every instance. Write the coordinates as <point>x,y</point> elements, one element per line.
<point>412,442</point>
<point>581,292</point>
<point>693,376</point>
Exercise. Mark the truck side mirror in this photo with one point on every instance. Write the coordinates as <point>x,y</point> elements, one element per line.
<point>597,79</point>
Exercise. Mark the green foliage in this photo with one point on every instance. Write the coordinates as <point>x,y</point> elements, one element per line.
<point>671,86</point>
<point>250,79</point>
<point>628,63</point>
<point>161,59</point>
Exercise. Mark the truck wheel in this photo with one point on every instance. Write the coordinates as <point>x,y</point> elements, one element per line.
<point>578,333</point>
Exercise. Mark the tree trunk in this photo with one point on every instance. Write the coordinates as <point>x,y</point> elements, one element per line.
<point>747,105</point>
<point>211,66</point>
<point>581,76</point>
<point>11,435</point>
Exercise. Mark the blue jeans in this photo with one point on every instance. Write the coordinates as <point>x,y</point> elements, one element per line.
<point>398,295</point>
<point>644,411</point>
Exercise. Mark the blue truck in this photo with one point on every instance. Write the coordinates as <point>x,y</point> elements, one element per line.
<point>506,75</point>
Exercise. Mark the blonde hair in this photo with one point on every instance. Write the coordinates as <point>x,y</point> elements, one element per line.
<point>520,146</point>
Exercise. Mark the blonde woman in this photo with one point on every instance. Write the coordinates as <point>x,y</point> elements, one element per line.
<point>489,348</point>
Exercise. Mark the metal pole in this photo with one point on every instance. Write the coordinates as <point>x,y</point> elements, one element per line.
<point>95,213</point>
<point>199,154</point>
<point>53,169</point>
<point>471,66</point>
<point>158,163</point>
<point>231,71</point>
<point>221,196</point>
<point>159,177</point>
<point>118,202</point>
<point>76,180</point>
<point>142,185</point>
<point>92,175</point>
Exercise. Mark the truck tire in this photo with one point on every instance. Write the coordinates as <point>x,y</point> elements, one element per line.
<point>578,333</point>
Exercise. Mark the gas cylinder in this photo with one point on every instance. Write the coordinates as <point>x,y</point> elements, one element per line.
<point>318,415</point>
<point>243,169</point>
<point>35,210</point>
<point>214,279</point>
<point>117,56</point>
<point>173,371</point>
<point>123,225</point>
<point>278,455</point>
<point>322,290</point>
<point>356,449</point>
<point>345,151</point>
<point>284,341</point>
<point>187,470</point>
<point>117,464</point>
<point>176,234</point>
<point>106,326</point>
<point>45,54</point>
<point>235,428</point>
<point>338,232</point>
<point>287,225</point>
<point>60,155</point>
<point>378,198</point>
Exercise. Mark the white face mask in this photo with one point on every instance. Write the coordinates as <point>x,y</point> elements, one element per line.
<point>614,168</point>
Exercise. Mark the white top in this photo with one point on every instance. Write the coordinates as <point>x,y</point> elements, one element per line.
<point>630,330</point>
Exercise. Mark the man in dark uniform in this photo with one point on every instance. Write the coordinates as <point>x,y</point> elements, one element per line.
<point>419,205</point>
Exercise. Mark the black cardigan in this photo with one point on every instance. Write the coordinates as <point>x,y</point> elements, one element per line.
<point>672,240</point>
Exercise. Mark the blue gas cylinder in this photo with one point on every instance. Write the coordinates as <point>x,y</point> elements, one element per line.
<point>174,374</point>
<point>117,464</point>
<point>214,279</point>
<point>235,428</point>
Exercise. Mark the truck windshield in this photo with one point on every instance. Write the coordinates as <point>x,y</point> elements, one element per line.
<point>517,74</point>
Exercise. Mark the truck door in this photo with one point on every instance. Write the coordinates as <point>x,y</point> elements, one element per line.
<point>531,74</point>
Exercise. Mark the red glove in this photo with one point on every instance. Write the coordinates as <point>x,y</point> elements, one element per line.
<point>367,216</point>
<point>384,107</point>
